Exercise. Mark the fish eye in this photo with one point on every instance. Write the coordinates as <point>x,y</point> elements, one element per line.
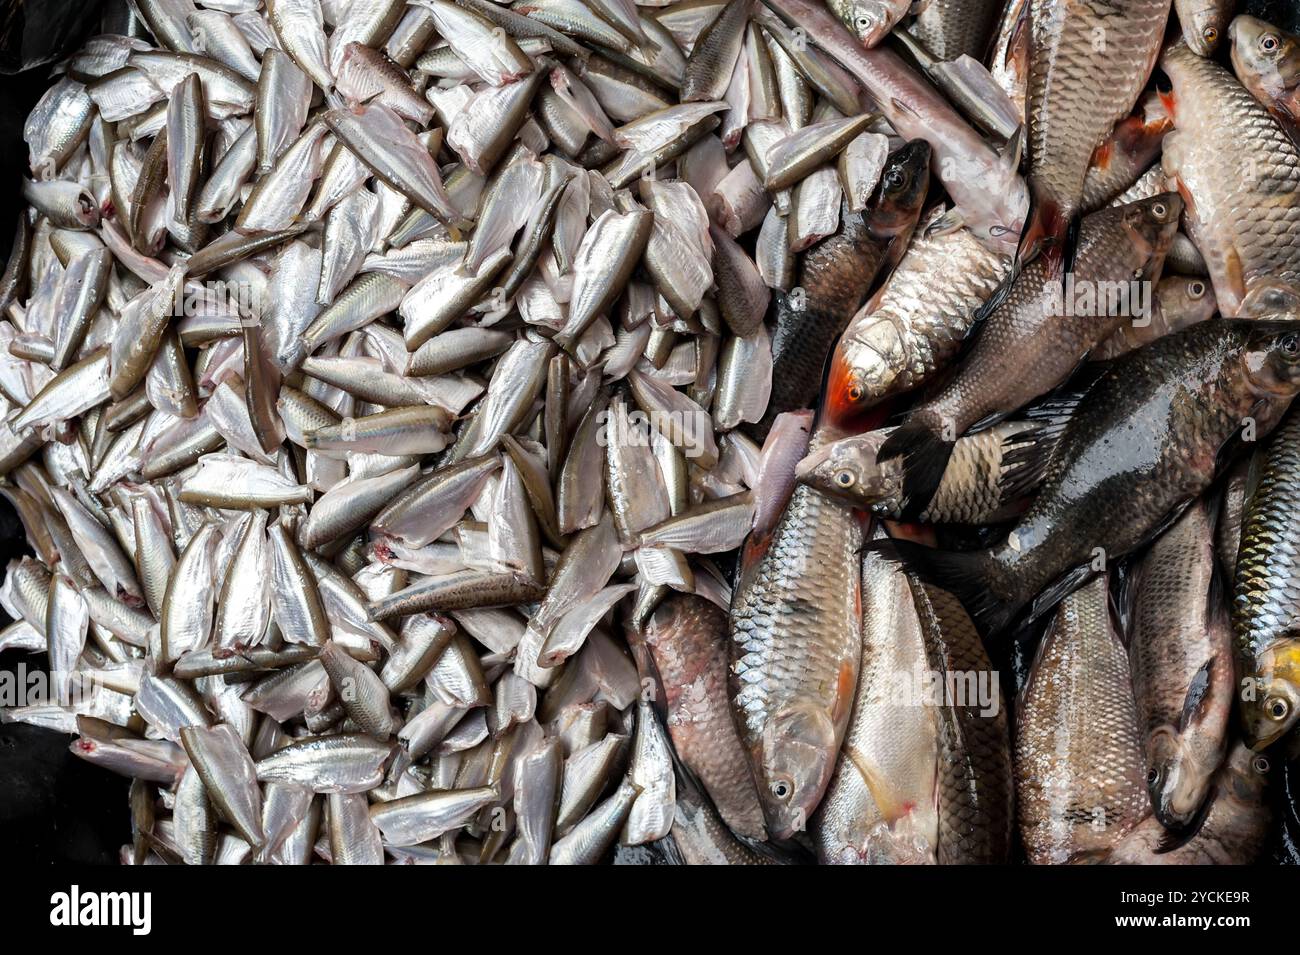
<point>1211,35</point>
<point>893,179</point>
<point>1276,709</point>
<point>1260,764</point>
<point>1290,345</point>
<point>855,393</point>
<point>1268,43</point>
<point>1196,290</point>
<point>1160,210</point>
<point>1153,776</point>
<point>782,789</point>
<point>844,478</point>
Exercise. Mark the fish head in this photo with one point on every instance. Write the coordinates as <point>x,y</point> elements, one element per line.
<point>904,182</point>
<point>1185,300</point>
<point>1270,297</point>
<point>1204,23</point>
<point>1244,775</point>
<point>871,20</point>
<point>1265,59</point>
<point>796,757</point>
<point>1271,697</point>
<point>1176,780</point>
<point>847,470</point>
<point>1272,358</point>
<point>861,372</point>
<point>1152,224</point>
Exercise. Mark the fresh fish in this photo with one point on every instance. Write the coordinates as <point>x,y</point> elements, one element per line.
<point>988,474</point>
<point>914,325</point>
<point>1236,221</point>
<point>1265,639</point>
<point>1039,334</point>
<point>1204,22</point>
<point>1087,64</point>
<point>1180,652</point>
<point>1185,399</point>
<point>1079,765</point>
<point>880,807</point>
<point>1267,62</point>
<point>835,276</point>
<point>791,697</point>
<point>686,638</point>
<point>1234,830</point>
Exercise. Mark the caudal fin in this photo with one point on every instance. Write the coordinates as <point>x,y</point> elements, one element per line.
<point>962,573</point>
<point>925,456</point>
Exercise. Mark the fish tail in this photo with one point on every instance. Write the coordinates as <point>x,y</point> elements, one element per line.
<point>925,456</point>
<point>964,574</point>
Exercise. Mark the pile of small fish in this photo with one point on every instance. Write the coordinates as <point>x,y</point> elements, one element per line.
<point>558,431</point>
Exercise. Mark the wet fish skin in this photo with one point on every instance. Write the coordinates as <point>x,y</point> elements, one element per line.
<point>975,775</point>
<point>880,806</point>
<point>1038,336</point>
<point>1233,832</point>
<point>1267,62</point>
<point>1075,96</point>
<point>951,28</point>
<point>792,698</point>
<point>1267,650</point>
<point>1190,392</point>
<point>910,329</point>
<point>708,68</point>
<point>686,637</point>
<point>1204,22</point>
<point>1079,765</point>
<point>836,275</point>
<point>1235,221</point>
<point>989,471</point>
<point>1180,654</point>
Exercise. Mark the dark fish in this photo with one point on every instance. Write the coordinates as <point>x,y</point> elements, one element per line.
<point>1265,616</point>
<point>1146,438</point>
<point>834,278</point>
<point>1180,652</point>
<point>1039,334</point>
<point>1234,831</point>
<point>975,788</point>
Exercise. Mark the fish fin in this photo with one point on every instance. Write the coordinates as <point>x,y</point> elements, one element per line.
<point>950,221</point>
<point>1058,590</point>
<point>1168,101</point>
<point>1045,233</point>
<point>962,573</point>
<point>1198,691</point>
<point>1014,149</point>
<point>925,456</point>
<point>1125,578</point>
<point>1027,455</point>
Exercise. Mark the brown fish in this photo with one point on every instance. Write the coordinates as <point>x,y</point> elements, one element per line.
<point>1039,334</point>
<point>687,639</point>
<point>1079,768</point>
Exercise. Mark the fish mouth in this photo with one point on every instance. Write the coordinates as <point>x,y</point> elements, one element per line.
<point>806,467</point>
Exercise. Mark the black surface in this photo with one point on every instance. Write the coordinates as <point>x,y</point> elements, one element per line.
<point>54,807</point>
